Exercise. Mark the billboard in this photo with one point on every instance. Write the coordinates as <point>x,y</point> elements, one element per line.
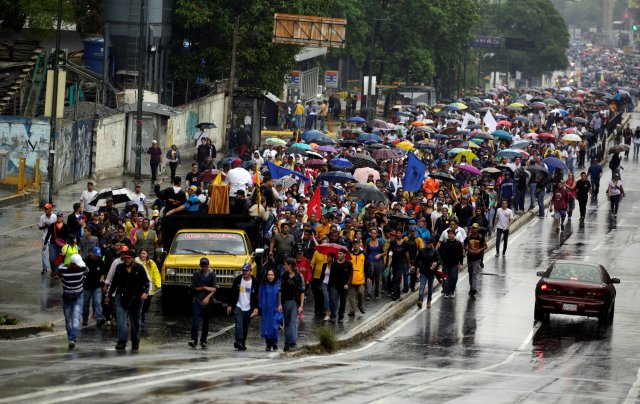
<point>331,79</point>
<point>309,30</point>
<point>491,42</point>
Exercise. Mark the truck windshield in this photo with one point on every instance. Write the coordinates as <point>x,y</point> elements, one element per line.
<point>209,243</point>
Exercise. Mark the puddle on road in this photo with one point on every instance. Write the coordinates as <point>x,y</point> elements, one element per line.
<point>193,386</point>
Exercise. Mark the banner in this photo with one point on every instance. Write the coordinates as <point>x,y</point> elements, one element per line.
<point>314,207</point>
<point>279,172</point>
<point>490,122</point>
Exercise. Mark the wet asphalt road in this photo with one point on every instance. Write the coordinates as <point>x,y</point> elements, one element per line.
<point>487,349</point>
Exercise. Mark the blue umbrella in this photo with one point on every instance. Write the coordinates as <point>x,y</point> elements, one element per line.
<point>553,162</point>
<point>325,141</point>
<point>357,119</point>
<point>310,135</point>
<point>439,136</point>
<point>500,134</point>
<point>343,164</point>
<point>324,191</point>
<point>335,176</point>
<point>367,137</point>
<point>508,153</point>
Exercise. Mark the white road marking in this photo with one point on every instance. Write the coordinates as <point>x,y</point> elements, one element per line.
<point>526,341</point>
<point>634,391</point>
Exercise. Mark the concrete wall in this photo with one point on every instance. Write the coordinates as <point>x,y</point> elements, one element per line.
<point>181,129</point>
<point>74,151</point>
<point>108,158</point>
<point>25,137</point>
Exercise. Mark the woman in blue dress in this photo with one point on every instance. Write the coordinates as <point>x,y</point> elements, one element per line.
<point>268,304</point>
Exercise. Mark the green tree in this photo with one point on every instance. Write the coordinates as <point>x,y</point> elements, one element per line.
<point>521,19</point>
<point>261,64</point>
<point>40,14</point>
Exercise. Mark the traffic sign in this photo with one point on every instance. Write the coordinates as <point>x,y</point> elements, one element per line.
<point>485,42</point>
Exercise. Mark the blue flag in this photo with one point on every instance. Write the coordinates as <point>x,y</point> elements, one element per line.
<point>415,174</point>
<point>279,172</point>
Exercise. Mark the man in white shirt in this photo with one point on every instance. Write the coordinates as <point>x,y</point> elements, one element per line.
<point>43,224</point>
<point>461,233</point>
<point>140,200</point>
<point>86,197</point>
<point>238,179</point>
<point>503,220</point>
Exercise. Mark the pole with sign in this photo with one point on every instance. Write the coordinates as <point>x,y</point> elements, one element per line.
<point>331,78</point>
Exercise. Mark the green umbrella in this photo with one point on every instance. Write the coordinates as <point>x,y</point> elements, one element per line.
<point>276,141</point>
<point>302,146</point>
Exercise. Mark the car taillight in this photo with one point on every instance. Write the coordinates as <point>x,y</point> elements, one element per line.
<point>544,287</point>
<point>597,293</point>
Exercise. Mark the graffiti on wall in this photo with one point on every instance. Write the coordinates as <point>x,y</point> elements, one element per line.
<point>25,137</point>
<point>74,151</point>
<point>192,121</point>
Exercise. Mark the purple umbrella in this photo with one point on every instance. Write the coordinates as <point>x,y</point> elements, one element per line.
<point>470,169</point>
<point>326,149</point>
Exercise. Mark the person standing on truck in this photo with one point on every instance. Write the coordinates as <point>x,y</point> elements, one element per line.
<point>173,196</point>
<point>192,205</point>
<point>244,303</point>
<point>203,286</point>
<point>238,179</point>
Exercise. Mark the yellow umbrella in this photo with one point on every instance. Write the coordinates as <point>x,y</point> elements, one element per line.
<point>313,146</point>
<point>472,145</point>
<point>406,145</point>
<point>516,105</point>
<point>467,153</point>
<point>459,105</point>
<point>570,137</point>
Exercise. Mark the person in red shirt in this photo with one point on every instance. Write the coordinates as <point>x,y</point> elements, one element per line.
<point>559,203</point>
<point>303,266</point>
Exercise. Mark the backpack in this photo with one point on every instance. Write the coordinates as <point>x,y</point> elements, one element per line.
<point>412,246</point>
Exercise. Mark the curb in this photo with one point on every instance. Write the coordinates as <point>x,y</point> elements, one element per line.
<point>22,331</point>
<point>15,199</point>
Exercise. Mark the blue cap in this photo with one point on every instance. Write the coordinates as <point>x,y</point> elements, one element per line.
<point>412,221</point>
<point>246,267</point>
<point>96,251</point>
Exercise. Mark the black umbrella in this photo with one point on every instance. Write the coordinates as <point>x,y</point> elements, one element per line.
<point>482,135</point>
<point>619,148</point>
<point>444,177</point>
<point>118,195</point>
<point>206,125</point>
<point>377,146</point>
<point>360,160</point>
<point>347,143</point>
<point>578,119</point>
<point>295,150</point>
<point>534,168</point>
<point>369,192</point>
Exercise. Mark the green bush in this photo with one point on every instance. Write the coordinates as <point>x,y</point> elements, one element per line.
<point>6,320</point>
<point>327,338</point>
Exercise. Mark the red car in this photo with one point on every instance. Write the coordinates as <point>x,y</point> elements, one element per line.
<point>576,288</point>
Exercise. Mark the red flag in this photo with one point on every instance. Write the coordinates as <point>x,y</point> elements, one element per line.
<point>314,207</point>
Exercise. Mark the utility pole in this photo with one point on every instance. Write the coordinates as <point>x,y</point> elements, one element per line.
<point>232,74</point>
<point>141,55</point>
<point>54,104</point>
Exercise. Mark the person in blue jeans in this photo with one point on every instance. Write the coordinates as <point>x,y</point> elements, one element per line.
<point>427,262</point>
<point>72,277</point>
<point>452,255</point>
<point>291,302</point>
<point>244,303</point>
<point>204,285</point>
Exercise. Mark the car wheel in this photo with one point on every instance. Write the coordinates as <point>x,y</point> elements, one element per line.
<point>539,314</point>
<point>611,313</point>
<point>606,317</point>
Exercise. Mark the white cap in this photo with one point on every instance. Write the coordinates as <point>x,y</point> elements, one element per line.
<point>154,141</point>
<point>299,101</point>
<point>155,213</point>
<point>77,259</point>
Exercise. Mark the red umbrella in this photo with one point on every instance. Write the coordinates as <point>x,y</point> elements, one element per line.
<point>315,163</point>
<point>470,169</point>
<point>546,136</point>
<point>524,154</point>
<point>329,248</point>
<point>503,122</point>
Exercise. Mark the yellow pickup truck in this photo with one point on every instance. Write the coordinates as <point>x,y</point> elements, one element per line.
<point>225,240</point>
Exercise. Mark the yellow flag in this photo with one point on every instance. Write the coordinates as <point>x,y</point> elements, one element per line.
<point>218,179</point>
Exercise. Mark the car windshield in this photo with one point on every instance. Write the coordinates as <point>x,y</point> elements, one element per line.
<point>575,272</point>
<point>209,243</point>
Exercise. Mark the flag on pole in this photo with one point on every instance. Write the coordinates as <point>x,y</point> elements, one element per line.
<point>467,119</point>
<point>279,172</point>
<point>490,122</point>
<point>415,174</point>
<point>218,179</point>
<point>314,207</point>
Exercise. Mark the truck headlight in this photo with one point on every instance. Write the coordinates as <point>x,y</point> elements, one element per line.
<point>170,271</point>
